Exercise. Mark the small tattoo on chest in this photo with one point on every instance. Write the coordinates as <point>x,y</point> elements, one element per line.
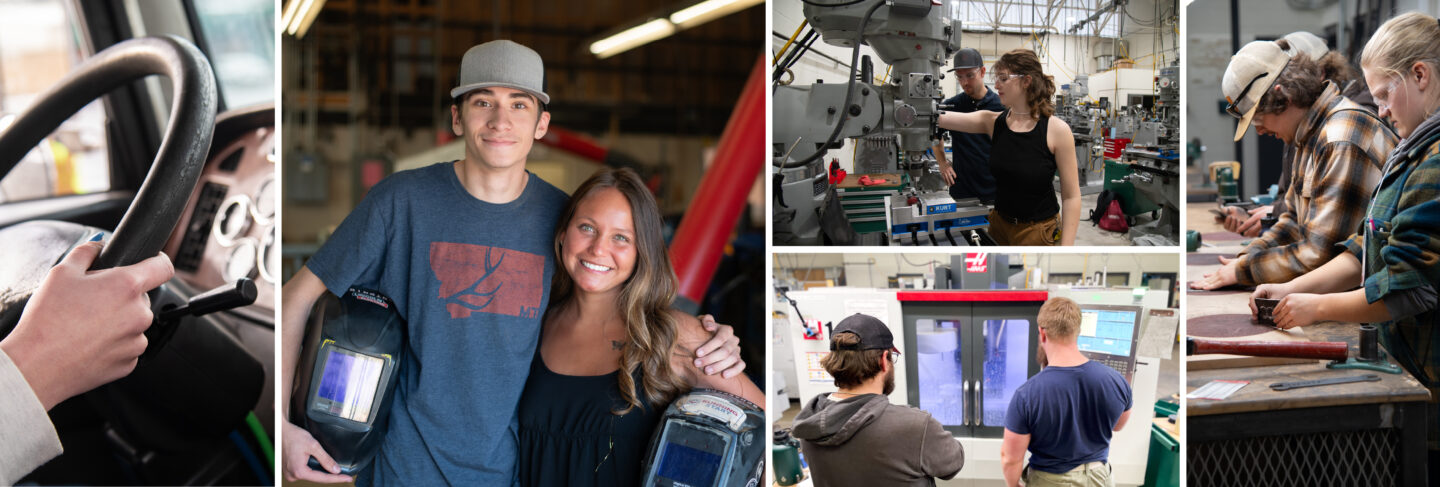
<point>616,345</point>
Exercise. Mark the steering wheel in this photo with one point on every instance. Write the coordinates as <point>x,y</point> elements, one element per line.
<point>32,248</point>
<point>184,396</point>
<point>157,206</point>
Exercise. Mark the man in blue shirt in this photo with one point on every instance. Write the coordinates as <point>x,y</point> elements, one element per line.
<point>1065,414</point>
<point>969,175</point>
<point>464,250</point>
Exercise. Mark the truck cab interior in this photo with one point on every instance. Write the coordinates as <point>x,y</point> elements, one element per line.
<point>151,124</point>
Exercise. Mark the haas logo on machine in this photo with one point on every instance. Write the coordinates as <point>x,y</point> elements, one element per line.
<point>481,279</point>
<point>975,262</point>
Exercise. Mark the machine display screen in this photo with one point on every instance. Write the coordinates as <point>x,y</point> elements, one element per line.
<point>1107,331</point>
<point>681,464</point>
<point>348,384</point>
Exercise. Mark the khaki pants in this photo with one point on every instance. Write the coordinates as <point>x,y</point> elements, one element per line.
<point>1093,474</point>
<point>1043,232</point>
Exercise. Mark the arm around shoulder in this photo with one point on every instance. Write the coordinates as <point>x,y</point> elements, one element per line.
<point>689,335</point>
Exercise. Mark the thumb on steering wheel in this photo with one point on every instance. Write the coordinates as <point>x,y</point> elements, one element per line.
<point>82,256</point>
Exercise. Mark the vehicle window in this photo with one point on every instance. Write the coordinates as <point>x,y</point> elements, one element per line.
<point>39,45</point>
<point>240,38</point>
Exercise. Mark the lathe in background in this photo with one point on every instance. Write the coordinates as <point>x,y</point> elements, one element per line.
<point>854,122</point>
<point>965,326</point>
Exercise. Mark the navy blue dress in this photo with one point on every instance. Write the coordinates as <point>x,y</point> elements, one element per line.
<point>570,437</point>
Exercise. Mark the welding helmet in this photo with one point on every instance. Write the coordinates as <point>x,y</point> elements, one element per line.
<point>352,355</point>
<point>707,438</point>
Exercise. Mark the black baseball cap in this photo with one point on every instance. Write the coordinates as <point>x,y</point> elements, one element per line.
<point>968,58</point>
<point>872,332</point>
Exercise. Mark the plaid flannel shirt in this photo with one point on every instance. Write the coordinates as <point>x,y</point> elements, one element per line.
<point>1400,256</point>
<point>1339,151</point>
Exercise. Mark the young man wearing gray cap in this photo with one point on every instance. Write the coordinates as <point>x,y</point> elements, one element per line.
<point>855,436</point>
<point>1066,414</point>
<point>969,174</point>
<point>1339,147</point>
<point>464,249</point>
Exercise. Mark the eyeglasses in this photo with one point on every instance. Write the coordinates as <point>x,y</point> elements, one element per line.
<point>1230,107</point>
<point>894,355</point>
<point>1000,78</point>
<point>967,76</point>
<point>1382,98</point>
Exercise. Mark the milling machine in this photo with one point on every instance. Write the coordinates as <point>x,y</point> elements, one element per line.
<point>1086,120</point>
<point>1153,162</point>
<point>894,124</point>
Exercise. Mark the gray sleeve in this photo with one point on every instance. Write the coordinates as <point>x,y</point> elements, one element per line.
<point>29,438</point>
<point>940,455</point>
<point>1404,303</point>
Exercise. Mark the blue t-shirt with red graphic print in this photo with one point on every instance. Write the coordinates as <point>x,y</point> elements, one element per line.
<point>472,279</point>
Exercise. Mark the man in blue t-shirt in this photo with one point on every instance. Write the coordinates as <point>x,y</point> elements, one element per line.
<point>1065,414</point>
<point>464,249</point>
<point>969,174</point>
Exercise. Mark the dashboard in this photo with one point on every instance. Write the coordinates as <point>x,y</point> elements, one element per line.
<point>229,229</point>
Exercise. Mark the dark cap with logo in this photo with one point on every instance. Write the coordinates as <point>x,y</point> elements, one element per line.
<point>872,332</point>
<point>968,58</point>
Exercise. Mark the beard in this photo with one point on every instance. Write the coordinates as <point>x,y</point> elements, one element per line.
<point>889,382</point>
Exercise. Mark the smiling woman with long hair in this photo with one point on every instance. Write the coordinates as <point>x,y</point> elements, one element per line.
<point>612,353</point>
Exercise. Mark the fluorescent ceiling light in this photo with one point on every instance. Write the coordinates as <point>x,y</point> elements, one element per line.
<point>709,10</point>
<point>289,16</point>
<point>632,38</point>
<point>299,14</point>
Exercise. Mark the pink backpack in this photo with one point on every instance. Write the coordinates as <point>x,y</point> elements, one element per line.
<point>1114,219</point>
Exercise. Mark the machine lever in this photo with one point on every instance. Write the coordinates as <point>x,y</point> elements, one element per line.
<point>234,295</point>
<point>230,296</point>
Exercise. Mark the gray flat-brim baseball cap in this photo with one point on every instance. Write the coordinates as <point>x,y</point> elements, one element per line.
<point>968,58</point>
<point>505,64</point>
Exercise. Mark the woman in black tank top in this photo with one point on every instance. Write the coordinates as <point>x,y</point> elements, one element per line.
<point>1028,149</point>
<point>612,353</point>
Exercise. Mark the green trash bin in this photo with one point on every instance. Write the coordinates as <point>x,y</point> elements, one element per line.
<point>1131,203</point>
<point>1163,467</point>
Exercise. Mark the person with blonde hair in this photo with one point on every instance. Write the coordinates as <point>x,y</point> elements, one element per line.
<point>1029,147</point>
<point>1066,414</point>
<point>1388,274</point>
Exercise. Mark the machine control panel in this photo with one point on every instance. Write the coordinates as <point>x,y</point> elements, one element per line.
<point>1108,334</point>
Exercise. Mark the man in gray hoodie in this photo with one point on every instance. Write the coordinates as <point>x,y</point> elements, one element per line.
<point>855,436</point>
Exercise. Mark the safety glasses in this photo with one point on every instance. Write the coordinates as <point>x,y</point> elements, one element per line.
<point>1382,98</point>
<point>1007,77</point>
<point>1230,107</point>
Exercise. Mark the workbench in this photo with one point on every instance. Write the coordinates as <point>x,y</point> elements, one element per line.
<point>1361,433</point>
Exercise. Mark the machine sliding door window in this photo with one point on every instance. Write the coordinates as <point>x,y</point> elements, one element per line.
<point>1007,362</point>
<point>939,365</point>
<point>966,360</point>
